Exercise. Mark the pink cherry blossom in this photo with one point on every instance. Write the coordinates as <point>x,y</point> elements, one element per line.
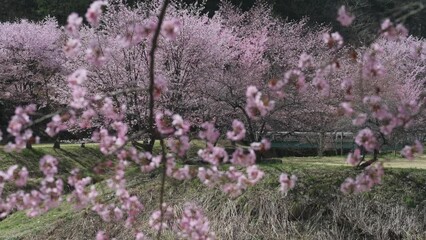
<point>164,122</point>
<point>77,78</point>
<point>96,54</point>
<point>55,126</point>
<point>287,183</point>
<point>257,105</point>
<point>262,146</point>
<point>213,155</point>
<point>409,152</point>
<point>209,177</point>
<point>170,29</point>
<point>193,224</point>
<point>366,139</point>
<point>179,146</point>
<point>94,12</point>
<point>349,186</point>
<point>140,236</point>
<point>159,219</point>
<point>296,78</point>
<point>354,158</point>
<point>333,40</point>
<point>73,24</point>
<point>160,87</point>
<point>17,127</point>
<point>181,126</point>
<point>275,84</point>
<point>101,235</point>
<point>346,109</point>
<point>305,61</point>
<point>370,177</point>
<point>360,119</point>
<point>238,131</point>
<point>254,174</point>
<point>243,158</point>
<point>390,31</point>
<point>22,177</point>
<point>48,165</point>
<point>209,132</point>
<point>72,47</point>
<point>344,17</point>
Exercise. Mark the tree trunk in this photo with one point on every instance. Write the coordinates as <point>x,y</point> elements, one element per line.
<point>29,145</point>
<point>83,145</point>
<point>259,157</point>
<point>321,145</point>
<point>57,143</point>
<point>146,146</point>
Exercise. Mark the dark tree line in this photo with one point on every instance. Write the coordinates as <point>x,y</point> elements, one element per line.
<point>368,12</point>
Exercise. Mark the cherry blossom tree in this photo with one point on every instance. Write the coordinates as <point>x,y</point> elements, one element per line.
<point>31,63</point>
<point>128,70</point>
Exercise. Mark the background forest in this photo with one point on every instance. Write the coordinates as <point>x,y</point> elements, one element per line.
<point>368,12</point>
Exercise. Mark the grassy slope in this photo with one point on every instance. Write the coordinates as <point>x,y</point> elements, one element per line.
<point>315,209</point>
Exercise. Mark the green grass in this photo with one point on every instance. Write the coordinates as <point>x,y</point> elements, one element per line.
<point>70,156</point>
<point>19,224</point>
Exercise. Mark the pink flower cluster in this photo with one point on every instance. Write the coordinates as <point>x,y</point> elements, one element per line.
<point>209,132</point>
<point>232,181</point>
<point>170,29</point>
<point>160,218</point>
<point>73,24</point>
<point>287,182</point>
<point>94,12</point>
<point>213,155</point>
<point>305,61</point>
<point>354,158</point>
<point>372,66</point>
<point>244,158</point>
<point>108,144</point>
<point>371,176</point>
<point>296,78</point>
<point>333,40</point>
<point>346,109</point>
<point>18,127</point>
<point>344,17</point>
<point>96,55</point>
<point>36,201</point>
<point>321,84</point>
<point>410,151</point>
<point>55,126</point>
<point>160,87</point>
<point>193,224</point>
<point>154,162</point>
<point>261,146</point>
<point>127,205</point>
<point>179,145</point>
<point>19,178</point>
<point>390,31</point>
<point>75,81</point>
<point>136,33</point>
<point>347,87</point>
<point>238,131</point>
<point>183,173</point>
<point>257,105</point>
<point>81,196</point>
<point>388,121</point>
<point>366,139</point>
<point>168,124</point>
